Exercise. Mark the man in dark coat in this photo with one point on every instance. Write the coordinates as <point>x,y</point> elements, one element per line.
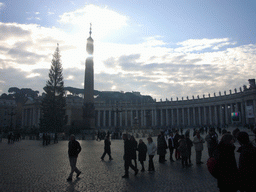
<point>134,150</point>
<point>246,165</point>
<point>142,148</point>
<point>161,147</point>
<point>176,144</point>
<point>128,157</point>
<point>171,145</point>
<point>228,172</point>
<point>74,149</point>
<point>107,149</point>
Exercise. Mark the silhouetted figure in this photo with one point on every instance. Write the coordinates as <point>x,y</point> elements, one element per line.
<point>212,141</point>
<point>74,149</point>
<point>142,149</point>
<point>107,149</point>
<point>128,157</point>
<point>183,149</point>
<point>171,145</point>
<point>189,146</point>
<point>246,165</point>
<point>44,139</point>
<point>161,147</point>
<point>56,138</point>
<point>176,144</point>
<point>227,174</point>
<point>134,149</point>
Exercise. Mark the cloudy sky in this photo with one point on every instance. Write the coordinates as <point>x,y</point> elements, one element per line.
<point>165,48</point>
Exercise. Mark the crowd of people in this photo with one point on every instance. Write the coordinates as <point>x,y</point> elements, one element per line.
<point>229,174</point>
<point>47,138</point>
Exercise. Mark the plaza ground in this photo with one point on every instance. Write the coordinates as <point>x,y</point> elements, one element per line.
<point>28,166</point>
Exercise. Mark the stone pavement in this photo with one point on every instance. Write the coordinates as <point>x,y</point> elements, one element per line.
<point>29,166</point>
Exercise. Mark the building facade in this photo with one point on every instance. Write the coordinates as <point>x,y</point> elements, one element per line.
<point>210,111</point>
<point>8,114</point>
<point>205,111</point>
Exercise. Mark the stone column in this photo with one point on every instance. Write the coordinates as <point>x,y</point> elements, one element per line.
<point>183,116</point>
<point>221,115</point>
<point>194,115</point>
<point>104,118</point>
<point>210,115</point>
<point>99,118</point>
<point>115,118</point>
<point>199,116</point>
<point>156,117</point>
<point>126,118</point>
<point>132,118</point>
<point>189,123</point>
<point>162,117</point>
<point>205,119</point>
<point>215,115</point>
<point>226,114</point>
<point>121,119</point>
<point>178,118</point>
<point>167,117</point>
<point>109,118</point>
<point>172,110</point>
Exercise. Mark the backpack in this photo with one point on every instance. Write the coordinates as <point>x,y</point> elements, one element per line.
<point>212,165</point>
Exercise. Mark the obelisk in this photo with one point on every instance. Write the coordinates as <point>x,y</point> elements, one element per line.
<point>88,107</point>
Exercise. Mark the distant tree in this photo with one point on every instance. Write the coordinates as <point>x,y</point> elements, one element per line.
<point>53,102</point>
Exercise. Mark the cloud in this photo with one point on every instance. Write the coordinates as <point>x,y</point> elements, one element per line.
<point>193,67</point>
<point>1,5</point>
<point>101,18</point>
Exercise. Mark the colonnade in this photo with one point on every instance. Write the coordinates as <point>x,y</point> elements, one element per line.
<point>213,111</point>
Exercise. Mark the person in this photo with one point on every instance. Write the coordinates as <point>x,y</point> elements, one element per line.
<point>134,149</point>
<point>246,164</point>
<point>198,142</point>
<point>212,141</point>
<point>189,146</point>
<point>142,149</point>
<point>56,138</point>
<point>183,151</point>
<point>74,149</point>
<point>171,145</point>
<point>128,157</point>
<point>176,144</point>
<point>151,146</point>
<point>44,139</point>
<point>107,149</point>
<point>227,174</point>
<point>161,147</point>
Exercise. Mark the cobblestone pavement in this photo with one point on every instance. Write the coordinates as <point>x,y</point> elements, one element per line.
<point>29,166</point>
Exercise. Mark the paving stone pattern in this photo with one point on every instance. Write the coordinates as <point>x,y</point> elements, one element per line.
<point>28,166</point>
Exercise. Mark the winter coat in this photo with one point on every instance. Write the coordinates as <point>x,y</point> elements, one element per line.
<point>183,149</point>
<point>107,144</point>
<point>74,148</point>
<point>142,149</point>
<point>151,148</point>
<point>134,148</point>
<point>176,140</point>
<point>247,167</point>
<point>189,145</point>
<point>212,140</point>
<point>161,145</point>
<point>227,174</point>
<point>198,142</point>
<point>128,150</point>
